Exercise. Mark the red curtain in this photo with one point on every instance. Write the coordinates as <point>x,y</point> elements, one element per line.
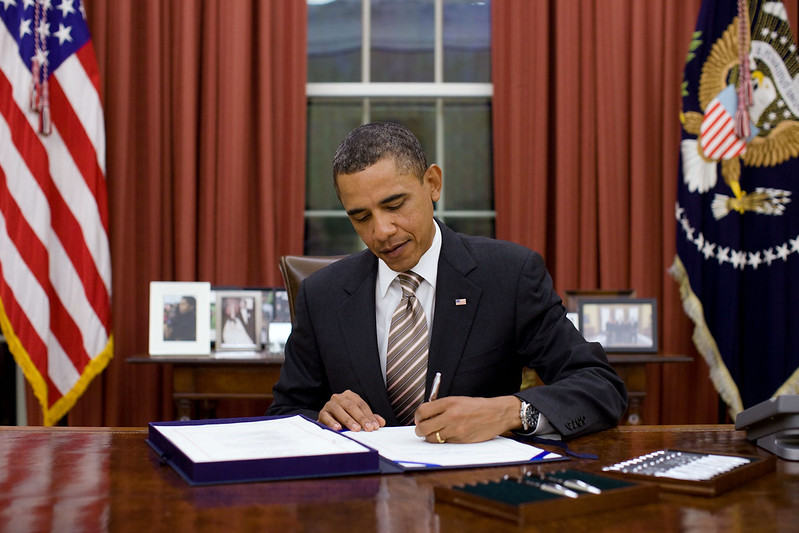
<point>586,139</point>
<point>205,125</point>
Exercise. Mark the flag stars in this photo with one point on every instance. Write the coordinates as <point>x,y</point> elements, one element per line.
<point>738,259</point>
<point>25,28</point>
<point>43,30</point>
<point>41,57</point>
<point>7,3</point>
<point>63,33</point>
<point>66,7</point>
<point>723,255</point>
<point>769,256</point>
<point>28,3</point>
<point>754,259</point>
<point>700,241</point>
<point>709,249</point>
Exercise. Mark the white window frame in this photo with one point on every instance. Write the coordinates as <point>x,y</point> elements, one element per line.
<point>438,89</point>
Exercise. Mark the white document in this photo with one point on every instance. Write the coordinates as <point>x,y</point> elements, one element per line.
<point>401,445</point>
<point>261,439</point>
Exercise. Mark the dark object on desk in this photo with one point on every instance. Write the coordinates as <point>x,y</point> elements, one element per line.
<point>341,459</point>
<point>690,472</point>
<point>774,424</point>
<point>514,499</point>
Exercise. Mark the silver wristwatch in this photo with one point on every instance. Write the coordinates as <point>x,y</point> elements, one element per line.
<point>529,416</point>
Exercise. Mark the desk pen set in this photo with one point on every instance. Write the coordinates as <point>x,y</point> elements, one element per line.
<point>557,494</point>
<point>689,472</point>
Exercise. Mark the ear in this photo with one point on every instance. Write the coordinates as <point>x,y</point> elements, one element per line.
<point>433,178</point>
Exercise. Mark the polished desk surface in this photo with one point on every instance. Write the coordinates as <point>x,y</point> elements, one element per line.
<point>108,479</point>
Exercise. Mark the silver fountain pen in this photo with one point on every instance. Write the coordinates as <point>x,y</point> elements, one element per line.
<point>576,484</point>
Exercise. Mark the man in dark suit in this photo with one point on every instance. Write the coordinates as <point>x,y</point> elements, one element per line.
<point>490,308</point>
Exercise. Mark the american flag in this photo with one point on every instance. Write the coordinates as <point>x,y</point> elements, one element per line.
<point>55,261</point>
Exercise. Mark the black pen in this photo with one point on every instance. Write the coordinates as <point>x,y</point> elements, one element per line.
<point>576,484</point>
<point>552,488</point>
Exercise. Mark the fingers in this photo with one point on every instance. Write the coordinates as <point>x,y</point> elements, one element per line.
<point>461,419</point>
<point>348,410</point>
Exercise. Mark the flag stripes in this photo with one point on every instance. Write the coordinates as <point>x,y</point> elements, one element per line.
<point>55,259</point>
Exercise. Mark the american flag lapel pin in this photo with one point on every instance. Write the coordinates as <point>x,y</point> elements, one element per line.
<point>460,301</point>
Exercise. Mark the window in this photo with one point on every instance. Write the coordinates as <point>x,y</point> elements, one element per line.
<point>423,63</point>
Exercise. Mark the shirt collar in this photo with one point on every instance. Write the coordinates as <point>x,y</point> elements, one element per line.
<point>427,267</point>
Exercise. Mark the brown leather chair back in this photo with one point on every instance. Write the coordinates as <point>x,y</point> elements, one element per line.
<point>296,268</point>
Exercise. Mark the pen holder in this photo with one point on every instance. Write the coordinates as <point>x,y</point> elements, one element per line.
<point>516,500</point>
<point>692,472</point>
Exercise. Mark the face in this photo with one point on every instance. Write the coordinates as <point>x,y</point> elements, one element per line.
<point>391,211</point>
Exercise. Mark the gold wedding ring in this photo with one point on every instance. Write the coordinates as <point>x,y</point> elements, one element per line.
<point>439,439</point>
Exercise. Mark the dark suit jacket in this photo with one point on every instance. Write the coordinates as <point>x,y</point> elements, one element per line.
<point>512,318</point>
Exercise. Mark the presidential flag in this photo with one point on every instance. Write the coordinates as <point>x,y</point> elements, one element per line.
<point>55,262</point>
<point>737,258</point>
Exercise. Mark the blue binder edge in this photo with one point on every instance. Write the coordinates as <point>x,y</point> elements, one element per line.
<point>253,470</point>
<point>301,467</point>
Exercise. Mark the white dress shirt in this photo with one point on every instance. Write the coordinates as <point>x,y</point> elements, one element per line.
<point>388,293</point>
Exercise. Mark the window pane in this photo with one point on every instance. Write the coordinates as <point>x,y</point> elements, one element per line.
<point>419,116</point>
<point>467,155</point>
<point>331,236</point>
<point>483,227</point>
<point>403,34</point>
<point>334,41</point>
<point>329,121</point>
<point>467,41</point>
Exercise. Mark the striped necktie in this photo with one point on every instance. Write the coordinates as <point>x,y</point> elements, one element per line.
<point>406,356</point>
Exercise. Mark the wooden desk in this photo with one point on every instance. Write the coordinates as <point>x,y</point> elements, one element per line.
<point>198,382</point>
<point>108,479</point>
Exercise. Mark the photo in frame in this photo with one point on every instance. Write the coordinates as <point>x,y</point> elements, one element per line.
<point>620,324</point>
<point>238,320</point>
<point>177,318</point>
<point>276,323</point>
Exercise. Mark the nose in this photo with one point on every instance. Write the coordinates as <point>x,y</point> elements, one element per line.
<point>383,226</point>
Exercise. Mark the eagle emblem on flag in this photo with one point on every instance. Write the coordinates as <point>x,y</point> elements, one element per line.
<point>773,117</point>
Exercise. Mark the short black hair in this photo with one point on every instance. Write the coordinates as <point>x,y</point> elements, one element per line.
<point>367,144</point>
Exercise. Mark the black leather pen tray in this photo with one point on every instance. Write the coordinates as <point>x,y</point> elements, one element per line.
<point>521,503</point>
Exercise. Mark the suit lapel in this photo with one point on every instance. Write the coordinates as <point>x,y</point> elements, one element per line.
<point>357,321</point>
<point>457,299</point>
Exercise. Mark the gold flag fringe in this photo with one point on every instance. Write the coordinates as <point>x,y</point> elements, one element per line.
<point>705,343</point>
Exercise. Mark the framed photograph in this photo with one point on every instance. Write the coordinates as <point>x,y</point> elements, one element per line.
<point>238,320</point>
<point>572,298</point>
<point>178,318</point>
<point>276,319</point>
<point>620,324</point>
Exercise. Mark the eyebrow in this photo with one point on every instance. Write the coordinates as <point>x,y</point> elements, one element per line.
<point>384,201</point>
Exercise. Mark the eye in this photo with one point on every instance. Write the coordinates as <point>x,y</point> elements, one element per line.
<point>362,218</point>
<point>394,207</point>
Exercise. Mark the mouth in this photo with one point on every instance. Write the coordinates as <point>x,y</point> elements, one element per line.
<point>394,250</point>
